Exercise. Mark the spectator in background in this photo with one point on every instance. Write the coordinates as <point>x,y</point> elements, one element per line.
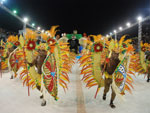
<point>74,44</point>
<point>5,33</point>
<point>63,39</point>
<point>38,40</point>
<point>57,37</point>
<point>92,39</point>
<point>83,42</point>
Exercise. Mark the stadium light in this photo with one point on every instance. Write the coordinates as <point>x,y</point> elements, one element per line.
<point>15,11</point>
<point>25,19</point>
<point>115,31</point>
<point>43,31</point>
<point>120,28</point>
<point>33,24</point>
<point>2,1</point>
<point>139,18</point>
<point>107,35</point>
<point>38,28</point>
<point>128,24</point>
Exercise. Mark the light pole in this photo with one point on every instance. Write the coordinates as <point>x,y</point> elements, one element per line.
<point>139,32</point>
<point>115,34</point>
<point>104,38</point>
<point>25,20</point>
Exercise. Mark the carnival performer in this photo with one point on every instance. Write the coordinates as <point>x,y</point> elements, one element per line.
<point>11,47</point>
<point>52,63</point>
<point>111,63</point>
<point>39,60</point>
<point>109,67</point>
<point>3,62</point>
<point>145,61</point>
<point>148,67</point>
<point>57,37</point>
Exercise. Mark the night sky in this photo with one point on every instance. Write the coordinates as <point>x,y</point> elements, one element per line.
<point>92,16</point>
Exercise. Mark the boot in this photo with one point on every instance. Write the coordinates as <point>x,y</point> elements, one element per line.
<point>11,77</point>
<point>104,97</point>
<point>112,104</point>
<point>43,103</point>
<point>41,96</point>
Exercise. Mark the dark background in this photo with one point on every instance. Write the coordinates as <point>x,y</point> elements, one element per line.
<point>90,16</point>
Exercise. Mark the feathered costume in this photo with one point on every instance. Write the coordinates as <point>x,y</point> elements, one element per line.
<point>14,54</point>
<point>91,64</point>
<point>145,60</point>
<point>57,65</point>
<point>3,61</point>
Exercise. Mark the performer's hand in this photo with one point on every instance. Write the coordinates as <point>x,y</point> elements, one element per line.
<point>25,61</point>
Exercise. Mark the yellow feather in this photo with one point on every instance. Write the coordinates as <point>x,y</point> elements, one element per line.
<point>88,78</point>
<point>86,63</point>
<point>24,77</point>
<point>53,30</point>
<point>128,41</point>
<point>122,39</point>
<point>87,70</point>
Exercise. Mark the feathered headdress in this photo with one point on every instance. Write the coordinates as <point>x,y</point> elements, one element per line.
<point>11,41</point>
<point>53,31</point>
<point>145,47</point>
<point>30,34</point>
<point>97,38</point>
<point>12,38</point>
<point>42,46</point>
<point>45,35</point>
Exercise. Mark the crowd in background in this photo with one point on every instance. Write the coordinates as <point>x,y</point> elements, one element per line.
<point>74,42</point>
<point>5,33</point>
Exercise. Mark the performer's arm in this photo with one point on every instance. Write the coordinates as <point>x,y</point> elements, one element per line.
<point>78,44</point>
<point>69,42</point>
<point>103,67</point>
<point>4,58</point>
<point>33,63</point>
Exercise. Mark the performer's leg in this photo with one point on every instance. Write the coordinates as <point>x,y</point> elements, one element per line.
<point>39,88</point>
<point>43,92</point>
<point>70,49</point>
<point>76,50</point>
<point>113,95</point>
<point>106,88</point>
<point>39,70</point>
<point>11,72</point>
<point>148,77</point>
<point>43,102</point>
<point>43,97</point>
